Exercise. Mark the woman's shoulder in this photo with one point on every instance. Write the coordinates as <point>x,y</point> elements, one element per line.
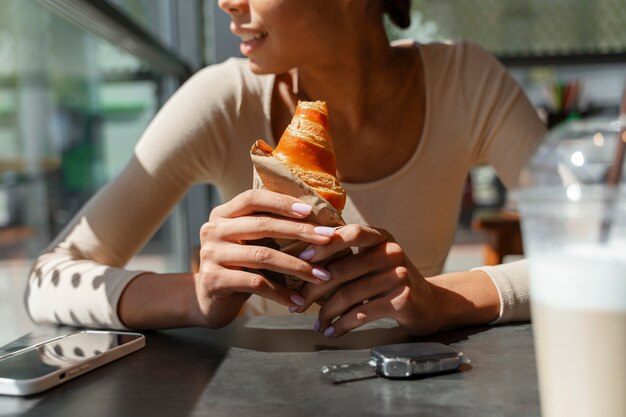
<point>461,52</point>
<point>232,75</point>
<point>230,68</point>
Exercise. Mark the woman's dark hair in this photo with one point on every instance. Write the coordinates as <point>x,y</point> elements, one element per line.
<point>399,12</point>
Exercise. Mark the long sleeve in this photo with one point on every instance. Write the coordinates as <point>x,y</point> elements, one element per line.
<point>79,278</point>
<point>503,125</point>
<point>511,280</point>
<point>505,130</point>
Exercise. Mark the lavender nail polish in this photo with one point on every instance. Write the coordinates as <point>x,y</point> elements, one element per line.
<point>329,331</point>
<point>325,231</point>
<point>307,254</point>
<point>301,208</point>
<point>297,299</point>
<point>321,273</point>
<point>293,309</point>
<point>316,326</point>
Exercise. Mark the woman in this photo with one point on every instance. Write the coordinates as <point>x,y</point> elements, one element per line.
<point>408,121</point>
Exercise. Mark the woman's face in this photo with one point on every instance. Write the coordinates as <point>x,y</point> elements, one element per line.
<point>278,35</point>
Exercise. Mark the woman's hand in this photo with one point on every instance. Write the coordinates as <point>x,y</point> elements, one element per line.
<point>378,281</point>
<point>224,282</point>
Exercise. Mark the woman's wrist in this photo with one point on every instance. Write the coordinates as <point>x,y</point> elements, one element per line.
<point>156,301</point>
<point>465,298</point>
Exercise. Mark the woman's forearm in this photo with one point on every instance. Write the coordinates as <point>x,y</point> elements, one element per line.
<point>466,298</point>
<point>157,301</point>
<point>153,301</point>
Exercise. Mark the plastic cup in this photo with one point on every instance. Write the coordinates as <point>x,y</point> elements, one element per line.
<point>577,278</point>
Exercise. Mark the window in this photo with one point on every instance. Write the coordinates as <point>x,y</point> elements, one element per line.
<point>72,107</point>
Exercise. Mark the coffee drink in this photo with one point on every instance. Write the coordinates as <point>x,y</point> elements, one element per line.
<point>579,319</point>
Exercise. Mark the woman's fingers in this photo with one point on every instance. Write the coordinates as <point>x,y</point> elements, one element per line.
<point>222,284</point>
<point>352,235</point>
<point>257,214</point>
<point>358,316</point>
<point>262,257</point>
<point>359,291</point>
<point>263,201</point>
<point>380,258</point>
<point>256,227</point>
<point>228,248</point>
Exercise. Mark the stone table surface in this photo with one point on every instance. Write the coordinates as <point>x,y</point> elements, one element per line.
<point>270,366</point>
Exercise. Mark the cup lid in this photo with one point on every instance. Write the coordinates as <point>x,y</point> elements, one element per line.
<point>575,152</point>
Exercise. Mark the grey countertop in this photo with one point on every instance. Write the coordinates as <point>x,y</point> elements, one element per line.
<point>270,366</point>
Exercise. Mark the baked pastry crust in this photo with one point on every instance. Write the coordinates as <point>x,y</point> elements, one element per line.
<point>306,148</point>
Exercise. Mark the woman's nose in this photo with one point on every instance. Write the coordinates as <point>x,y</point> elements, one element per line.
<point>234,7</point>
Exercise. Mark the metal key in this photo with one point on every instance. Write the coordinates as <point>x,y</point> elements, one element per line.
<point>404,360</point>
<point>349,372</point>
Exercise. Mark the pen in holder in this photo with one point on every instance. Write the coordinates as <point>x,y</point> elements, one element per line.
<point>563,99</point>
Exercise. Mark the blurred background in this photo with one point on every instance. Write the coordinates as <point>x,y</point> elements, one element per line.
<point>81,79</point>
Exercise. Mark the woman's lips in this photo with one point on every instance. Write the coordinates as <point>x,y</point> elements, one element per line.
<point>251,41</point>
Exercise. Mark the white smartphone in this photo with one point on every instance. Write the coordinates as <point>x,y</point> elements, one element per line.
<point>44,365</point>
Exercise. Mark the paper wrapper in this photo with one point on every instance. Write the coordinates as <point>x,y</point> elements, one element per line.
<point>271,174</point>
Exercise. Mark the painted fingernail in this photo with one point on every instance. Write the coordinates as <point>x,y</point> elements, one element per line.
<point>301,208</point>
<point>316,326</point>
<point>297,299</point>
<point>329,331</point>
<point>325,231</point>
<point>321,273</point>
<point>293,309</point>
<point>307,254</point>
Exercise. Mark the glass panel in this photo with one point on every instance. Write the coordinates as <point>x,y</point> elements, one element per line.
<point>523,27</point>
<point>72,108</point>
<point>144,12</point>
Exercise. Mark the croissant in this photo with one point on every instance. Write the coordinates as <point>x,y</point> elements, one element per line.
<point>306,148</point>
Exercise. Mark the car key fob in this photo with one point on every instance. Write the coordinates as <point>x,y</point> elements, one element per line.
<point>403,360</point>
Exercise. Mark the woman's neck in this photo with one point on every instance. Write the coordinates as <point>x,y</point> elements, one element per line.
<point>363,77</point>
<point>370,88</point>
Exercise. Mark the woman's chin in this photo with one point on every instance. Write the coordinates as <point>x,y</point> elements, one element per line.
<point>263,68</point>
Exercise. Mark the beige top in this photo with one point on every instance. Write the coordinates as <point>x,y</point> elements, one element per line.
<point>475,113</point>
